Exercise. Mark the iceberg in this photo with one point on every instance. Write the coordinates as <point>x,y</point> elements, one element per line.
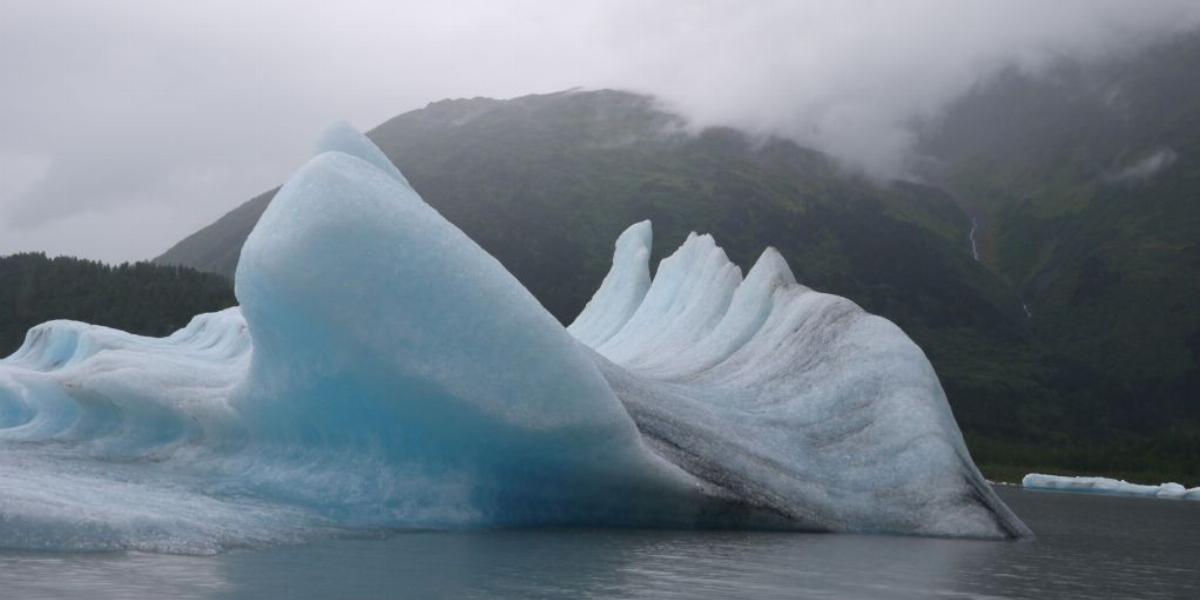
<point>1107,486</point>
<point>384,372</point>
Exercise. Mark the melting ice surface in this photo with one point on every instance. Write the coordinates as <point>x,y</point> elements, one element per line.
<point>384,372</point>
<point>1104,485</point>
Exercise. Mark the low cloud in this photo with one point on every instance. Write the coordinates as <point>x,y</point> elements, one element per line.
<point>851,78</point>
<point>1147,166</point>
<point>183,110</point>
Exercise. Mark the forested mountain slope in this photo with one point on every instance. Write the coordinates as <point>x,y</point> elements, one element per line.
<point>1089,182</point>
<point>140,297</point>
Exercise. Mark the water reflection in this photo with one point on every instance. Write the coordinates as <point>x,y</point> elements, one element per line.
<point>1088,547</point>
<point>89,576</point>
<point>606,564</point>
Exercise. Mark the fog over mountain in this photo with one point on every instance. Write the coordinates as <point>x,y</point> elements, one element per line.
<point>127,125</point>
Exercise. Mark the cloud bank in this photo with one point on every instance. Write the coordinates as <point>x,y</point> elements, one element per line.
<point>125,125</point>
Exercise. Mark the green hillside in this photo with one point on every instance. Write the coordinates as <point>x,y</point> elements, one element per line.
<point>1089,181</point>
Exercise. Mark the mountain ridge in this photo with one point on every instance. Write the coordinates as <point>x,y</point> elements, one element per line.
<point>545,182</point>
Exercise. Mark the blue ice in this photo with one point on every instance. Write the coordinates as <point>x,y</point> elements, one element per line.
<point>385,372</point>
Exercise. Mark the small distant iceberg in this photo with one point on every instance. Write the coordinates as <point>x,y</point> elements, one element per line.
<point>1107,486</point>
<point>385,372</point>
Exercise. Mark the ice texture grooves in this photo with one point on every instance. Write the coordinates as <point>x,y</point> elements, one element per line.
<point>384,372</point>
<point>796,401</point>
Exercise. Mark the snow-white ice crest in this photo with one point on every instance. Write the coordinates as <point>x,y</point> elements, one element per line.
<point>1105,485</point>
<point>384,371</point>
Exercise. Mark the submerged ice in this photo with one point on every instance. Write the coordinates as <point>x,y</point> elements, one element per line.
<point>384,372</point>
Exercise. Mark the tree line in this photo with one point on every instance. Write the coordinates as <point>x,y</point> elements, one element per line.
<point>138,297</point>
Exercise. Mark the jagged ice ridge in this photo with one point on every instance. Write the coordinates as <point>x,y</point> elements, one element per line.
<point>384,372</point>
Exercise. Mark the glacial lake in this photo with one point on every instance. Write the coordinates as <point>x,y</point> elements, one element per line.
<point>1087,547</point>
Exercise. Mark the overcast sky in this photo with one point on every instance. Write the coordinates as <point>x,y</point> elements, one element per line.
<point>125,126</point>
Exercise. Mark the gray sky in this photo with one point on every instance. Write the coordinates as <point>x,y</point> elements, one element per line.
<point>126,125</point>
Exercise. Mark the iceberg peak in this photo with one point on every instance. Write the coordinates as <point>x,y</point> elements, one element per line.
<point>341,137</point>
<point>622,290</point>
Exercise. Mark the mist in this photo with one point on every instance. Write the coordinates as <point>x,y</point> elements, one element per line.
<point>124,126</point>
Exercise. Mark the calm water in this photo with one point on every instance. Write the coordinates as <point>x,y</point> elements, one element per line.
<point>1088,547</point>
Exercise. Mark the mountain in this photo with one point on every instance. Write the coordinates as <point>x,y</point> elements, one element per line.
<point>141,298</point>
<point>545,183</point>
<point>1087,182</point>
<point>1054,177</point>
<point>576,168</point>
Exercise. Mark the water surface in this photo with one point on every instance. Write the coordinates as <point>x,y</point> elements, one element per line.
<point>1087,547</point>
